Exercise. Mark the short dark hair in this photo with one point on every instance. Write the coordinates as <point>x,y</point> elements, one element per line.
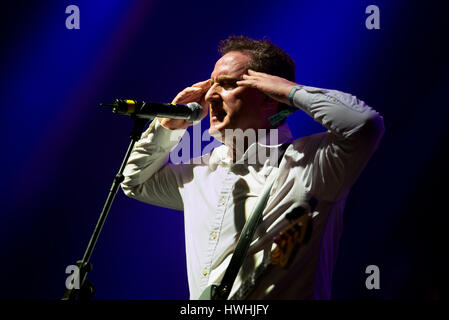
<point>266,57</point>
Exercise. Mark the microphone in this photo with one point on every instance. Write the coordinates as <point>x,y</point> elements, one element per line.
<point>149,110</point>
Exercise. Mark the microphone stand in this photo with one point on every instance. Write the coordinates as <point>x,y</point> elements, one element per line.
<point>86,289</point>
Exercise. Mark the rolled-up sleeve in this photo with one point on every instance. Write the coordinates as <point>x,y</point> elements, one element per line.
<point>339,155</point>
<point>148,175</point>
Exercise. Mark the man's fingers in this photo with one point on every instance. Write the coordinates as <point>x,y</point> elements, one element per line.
<point>255,73</point>
<point>248,80</point>
<point>203,84</point>
<point>247,83</point>
<point>189,91</point>
<point>188,95</point>
<point>248,77</point>
<point>192,91</point>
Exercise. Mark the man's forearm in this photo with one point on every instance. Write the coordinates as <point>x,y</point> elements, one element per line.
<point>150,153</point>
<point>341,113</point>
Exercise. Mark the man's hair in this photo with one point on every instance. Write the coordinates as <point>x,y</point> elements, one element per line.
<point>266,57</point>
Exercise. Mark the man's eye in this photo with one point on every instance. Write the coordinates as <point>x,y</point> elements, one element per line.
<point>229,84</point>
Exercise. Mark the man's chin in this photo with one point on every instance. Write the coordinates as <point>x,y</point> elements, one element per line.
<point>215,132</point>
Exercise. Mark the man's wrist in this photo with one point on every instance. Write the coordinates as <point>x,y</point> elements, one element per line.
<point>292,92</point>
<point>173,124</point>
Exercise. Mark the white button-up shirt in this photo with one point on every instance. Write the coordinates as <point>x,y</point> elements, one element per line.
<point>217,195</point>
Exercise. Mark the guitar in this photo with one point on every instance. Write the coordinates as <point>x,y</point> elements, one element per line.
<point>288,242</point>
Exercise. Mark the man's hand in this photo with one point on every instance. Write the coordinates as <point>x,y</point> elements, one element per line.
<point>195,93</point>
<point>275,87</point>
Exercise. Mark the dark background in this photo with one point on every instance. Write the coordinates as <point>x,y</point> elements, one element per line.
<point>60,150</point>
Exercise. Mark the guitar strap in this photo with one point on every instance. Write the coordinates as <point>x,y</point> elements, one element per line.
<point>223,290</point>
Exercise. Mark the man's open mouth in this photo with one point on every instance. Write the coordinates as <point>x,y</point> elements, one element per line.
<point>218,114</point>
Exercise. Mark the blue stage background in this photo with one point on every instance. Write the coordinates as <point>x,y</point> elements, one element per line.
<point>60,150</point>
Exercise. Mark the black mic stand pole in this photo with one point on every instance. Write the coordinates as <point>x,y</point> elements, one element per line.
<point>86,289</point>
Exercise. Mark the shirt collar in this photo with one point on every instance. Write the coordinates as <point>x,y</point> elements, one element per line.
<point>266,148</point>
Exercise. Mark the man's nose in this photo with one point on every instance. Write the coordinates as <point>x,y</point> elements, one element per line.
<point>212,94</point>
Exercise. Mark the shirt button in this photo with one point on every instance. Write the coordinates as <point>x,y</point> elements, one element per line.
<point>213,235</point>
<point>222,201</point>
<point>205,272</point>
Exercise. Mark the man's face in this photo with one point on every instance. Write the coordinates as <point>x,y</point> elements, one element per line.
<point>231,106</point>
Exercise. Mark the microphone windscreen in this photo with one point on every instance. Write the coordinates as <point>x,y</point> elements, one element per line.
<point>197,111</point>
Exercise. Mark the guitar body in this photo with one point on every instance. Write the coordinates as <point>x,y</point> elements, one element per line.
<point>214,292</point>
<point>208,293</point>
<point>288,241</point>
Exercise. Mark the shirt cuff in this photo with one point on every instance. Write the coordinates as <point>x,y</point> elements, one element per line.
<point>161,136</point>
<point>302,97</point>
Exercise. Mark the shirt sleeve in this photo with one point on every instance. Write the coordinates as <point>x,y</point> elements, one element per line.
<point>338,156</point>
<point>148,175</point>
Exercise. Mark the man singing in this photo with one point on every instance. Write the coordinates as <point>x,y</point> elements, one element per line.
<point>251,87</point>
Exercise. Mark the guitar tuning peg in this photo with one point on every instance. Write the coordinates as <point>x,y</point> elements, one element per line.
<point>283,235</point>
<point>275,255</point>
<point>277,240</point>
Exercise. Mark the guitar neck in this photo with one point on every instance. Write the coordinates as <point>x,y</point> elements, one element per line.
<point>249,283</point>
<point>287,244</point>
